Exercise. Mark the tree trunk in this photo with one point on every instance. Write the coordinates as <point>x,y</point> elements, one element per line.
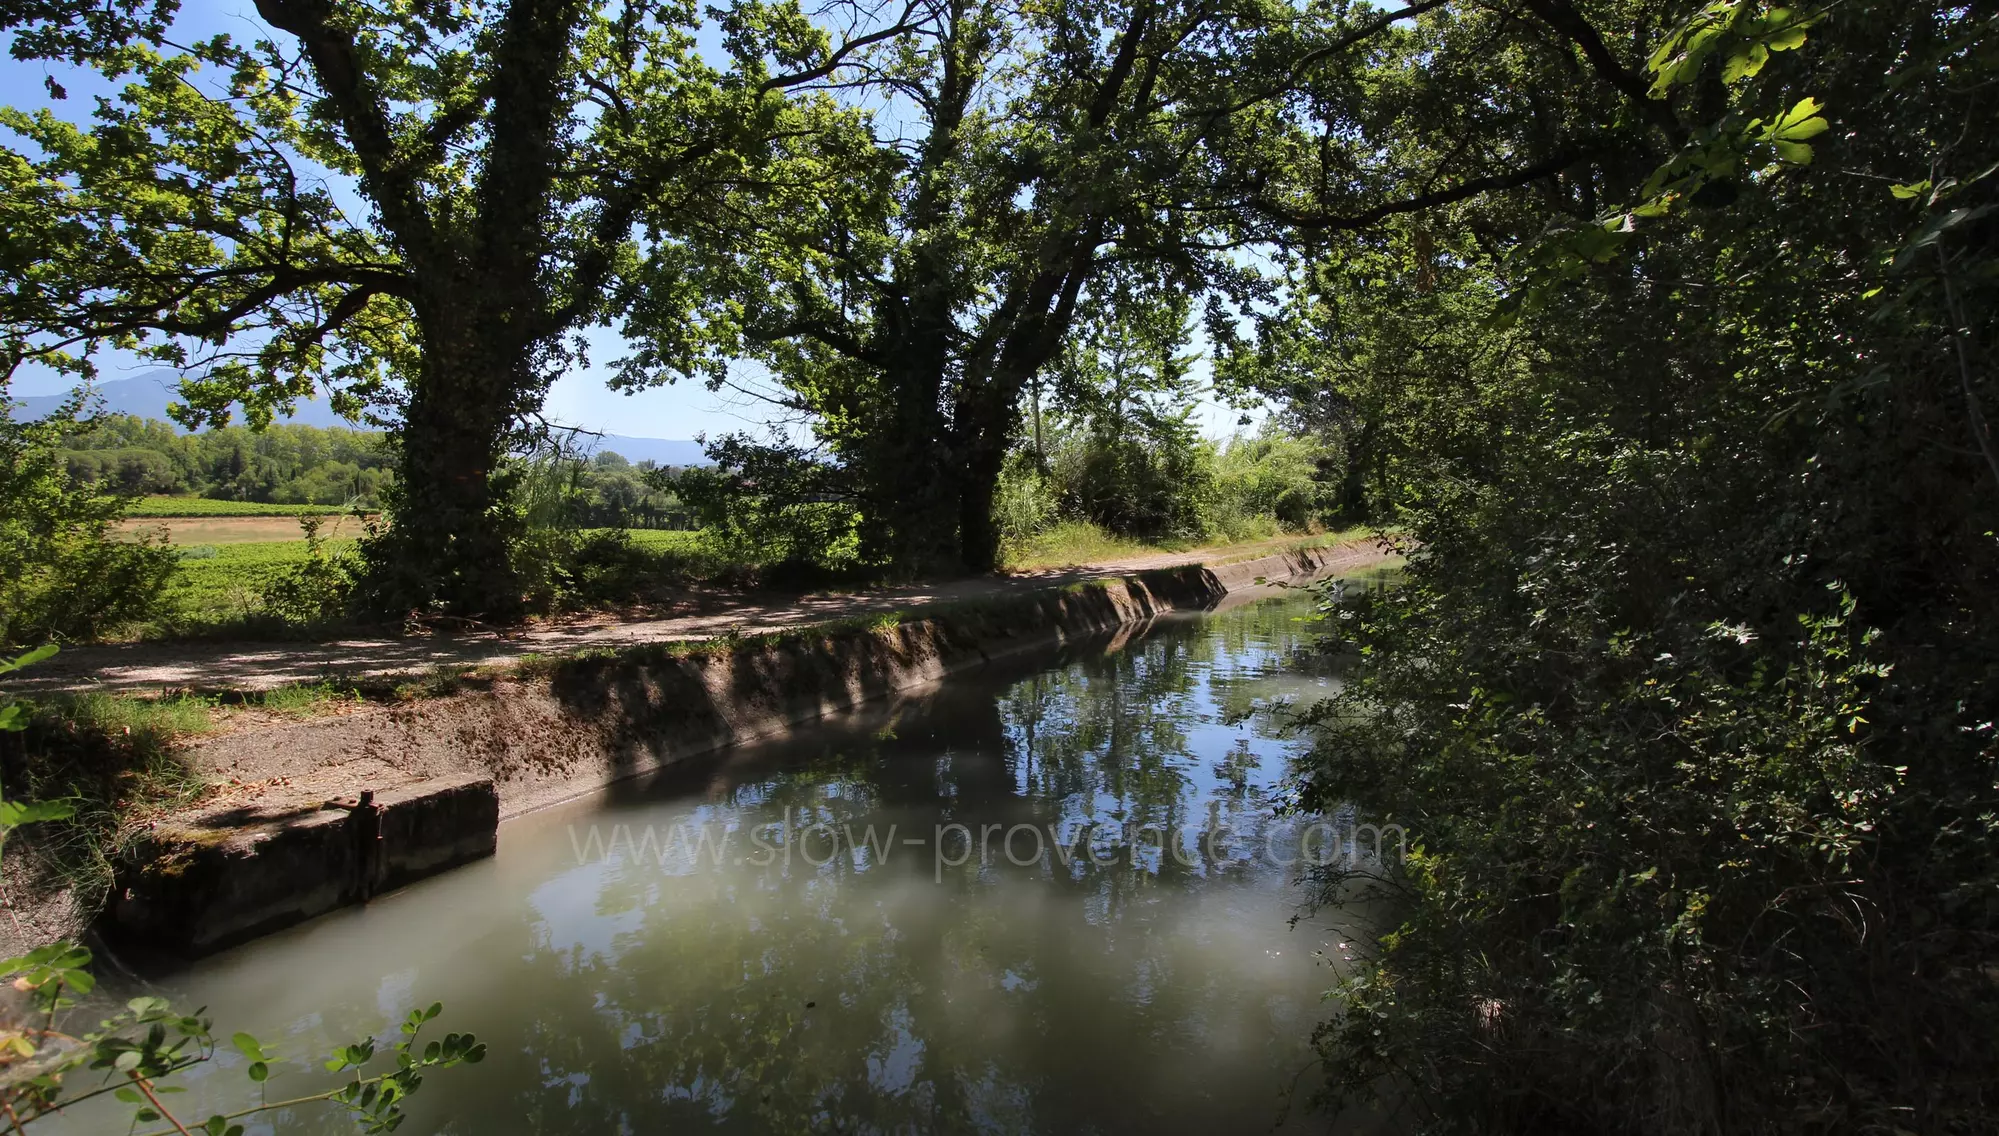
<point>911,491</point>
<point>916,494</point>
<point>988,414</point>
<point>1355,507</point>
<point>978,532</point>
<point>449,545</point>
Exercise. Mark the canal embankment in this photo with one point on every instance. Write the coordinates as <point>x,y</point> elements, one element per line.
<point>311,816</point>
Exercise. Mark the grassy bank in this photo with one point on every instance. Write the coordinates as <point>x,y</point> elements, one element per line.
<point>1078,543</point>
<point>220,589</point>
<point>118,759</point>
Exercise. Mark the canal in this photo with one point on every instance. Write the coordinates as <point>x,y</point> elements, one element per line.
<point>1054,896</point>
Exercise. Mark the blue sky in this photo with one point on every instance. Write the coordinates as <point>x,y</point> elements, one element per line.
<point>578,398</point>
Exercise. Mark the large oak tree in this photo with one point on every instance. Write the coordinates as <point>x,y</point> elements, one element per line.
<point>410,204</point>
<point>1017,159</point>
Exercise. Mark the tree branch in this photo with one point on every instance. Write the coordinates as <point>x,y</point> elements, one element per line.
<point>1562,17</point>
<point>839,57</point>
<point>532,52</point>
<point>1319,55</point>
<point>363,115</point>
<point>1332,222</point>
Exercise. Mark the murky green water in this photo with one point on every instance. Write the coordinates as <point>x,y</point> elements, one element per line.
<point>1072,915</point>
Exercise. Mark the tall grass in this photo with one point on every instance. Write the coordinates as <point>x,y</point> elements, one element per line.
<point>1065,544</point>
<point>115,760</point>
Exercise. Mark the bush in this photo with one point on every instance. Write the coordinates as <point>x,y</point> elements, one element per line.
<point>1148,488</point>
<point>566,566</point>
<point>1266,483</point>
<point>61,575</point>
<point>567,569</point>
<point>1166,486</point>
<point>314,590</point>
<point>1688,703</point>
<point>773,509</point>
<point>1025,504</point>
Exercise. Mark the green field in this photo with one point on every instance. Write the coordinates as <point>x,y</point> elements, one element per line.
<point>664,540</point>
<point>223,583</point>
<point>162,506</point>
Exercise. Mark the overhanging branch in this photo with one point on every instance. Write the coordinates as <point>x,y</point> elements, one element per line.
<point>1348,222</point>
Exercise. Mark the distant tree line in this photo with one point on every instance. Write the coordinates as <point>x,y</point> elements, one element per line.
<point>290,464</point>
<point>282,464</point>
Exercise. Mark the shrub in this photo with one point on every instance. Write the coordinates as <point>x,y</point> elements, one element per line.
<point>1026,503</point>
<point>1268,482</point>
<point>1150,488</point>
<point>61,574</point>
<point>1161,485</point>
<point>567,569</point>
<point>316,588</point>
<point>773,509</point>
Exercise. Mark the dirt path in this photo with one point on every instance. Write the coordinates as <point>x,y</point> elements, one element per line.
<point>214,666</point>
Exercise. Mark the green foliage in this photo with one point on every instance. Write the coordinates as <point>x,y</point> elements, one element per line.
<point>1133,461</point>
<point>1688,694</point>
<point>1714,157</point>
<point>1115,448</point>
<point>60,574</point>
<point>775,509</point>
<point>566,569</point>
<point>224,585</point>
<point>916,271</point>
<point>226,589</point>
<point>123,472</point>
<point>1359,358</point>
<point>282,464</point>
<point>150,724</point>
<point>314,589</point>
<point>306,700</point>
<point>1147,486</point>
<point>562,562</point>
<point>148,1043</point>
<point>557,488</point>
<point>286,587</point>
<point>516,162</point>
<point>1268,482</point>
<point>112,759</point>
<point>1027,502</point>
<point>1116,489</point>
<point>10,709</point>
<point>1069,543</point>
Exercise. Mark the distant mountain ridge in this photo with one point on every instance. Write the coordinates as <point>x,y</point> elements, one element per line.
<point>146,395</point>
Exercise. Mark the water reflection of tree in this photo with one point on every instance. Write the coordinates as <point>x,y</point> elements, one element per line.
<point>1111,736</point>
<point>699,1020</point>
<point>866,996</point>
